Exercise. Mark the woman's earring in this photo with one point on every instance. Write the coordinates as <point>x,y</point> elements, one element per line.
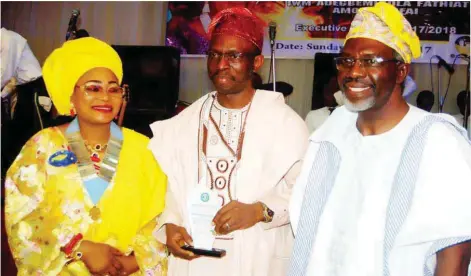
<point>73,112</point>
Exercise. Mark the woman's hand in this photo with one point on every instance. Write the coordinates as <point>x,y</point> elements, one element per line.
<point>129,264</point>
<point>100,258</point>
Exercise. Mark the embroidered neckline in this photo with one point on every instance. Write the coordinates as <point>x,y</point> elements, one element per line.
<point>217,105</point>
<point>205,120</point>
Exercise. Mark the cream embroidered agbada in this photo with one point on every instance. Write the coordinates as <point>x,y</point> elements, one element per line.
<point>275,138</point>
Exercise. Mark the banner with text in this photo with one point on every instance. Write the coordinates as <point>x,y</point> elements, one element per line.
<point>307,27</point>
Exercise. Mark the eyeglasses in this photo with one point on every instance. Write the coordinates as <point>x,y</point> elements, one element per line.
<point>93,89</point>
<point>231,57</point>
<point>347,63</point>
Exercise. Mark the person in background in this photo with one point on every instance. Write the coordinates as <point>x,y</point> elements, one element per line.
<point>81,33</point>
<point>409,87</point>
<point>462,100</point>
<point>333,98</point>
<point>241,145</point>
<point>282,87</point>
<point>82,198</point>
<point>19,66</point>
<point>185,29</point>
<point>425,100</point>
<point>18,61</point>
<point>257,81</point>
<point>385,186</point>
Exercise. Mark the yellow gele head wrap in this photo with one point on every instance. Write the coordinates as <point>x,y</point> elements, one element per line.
<point>67,64</point>
<point>386,24</point>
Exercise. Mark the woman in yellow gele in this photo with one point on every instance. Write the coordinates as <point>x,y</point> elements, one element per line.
<point>83,198</point>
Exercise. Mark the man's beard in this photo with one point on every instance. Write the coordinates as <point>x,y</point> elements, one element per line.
<point>359,106</point>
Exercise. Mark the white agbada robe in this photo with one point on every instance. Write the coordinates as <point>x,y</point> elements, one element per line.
<point>275,142</point>
<point>351,229</point>
<point>460,119</point>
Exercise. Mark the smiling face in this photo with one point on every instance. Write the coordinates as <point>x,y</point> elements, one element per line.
<point>370,87</point>
<point>97,97</point>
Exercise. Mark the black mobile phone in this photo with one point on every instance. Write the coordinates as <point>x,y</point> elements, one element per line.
<point>217,253</point>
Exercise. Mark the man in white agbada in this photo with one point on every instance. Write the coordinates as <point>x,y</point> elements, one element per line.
<point>385,187</point>
<point>243,144</point>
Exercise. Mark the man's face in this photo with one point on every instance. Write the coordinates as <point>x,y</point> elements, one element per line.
<point>231,61</point>
<point>369,87</point>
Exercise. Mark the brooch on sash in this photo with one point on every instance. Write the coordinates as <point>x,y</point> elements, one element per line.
<point>95,213</point>
<point>62,158</point>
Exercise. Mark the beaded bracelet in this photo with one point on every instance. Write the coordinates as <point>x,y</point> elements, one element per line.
<point>76,256</point>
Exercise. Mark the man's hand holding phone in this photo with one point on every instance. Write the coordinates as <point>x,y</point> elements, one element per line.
<point>177,237</point>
